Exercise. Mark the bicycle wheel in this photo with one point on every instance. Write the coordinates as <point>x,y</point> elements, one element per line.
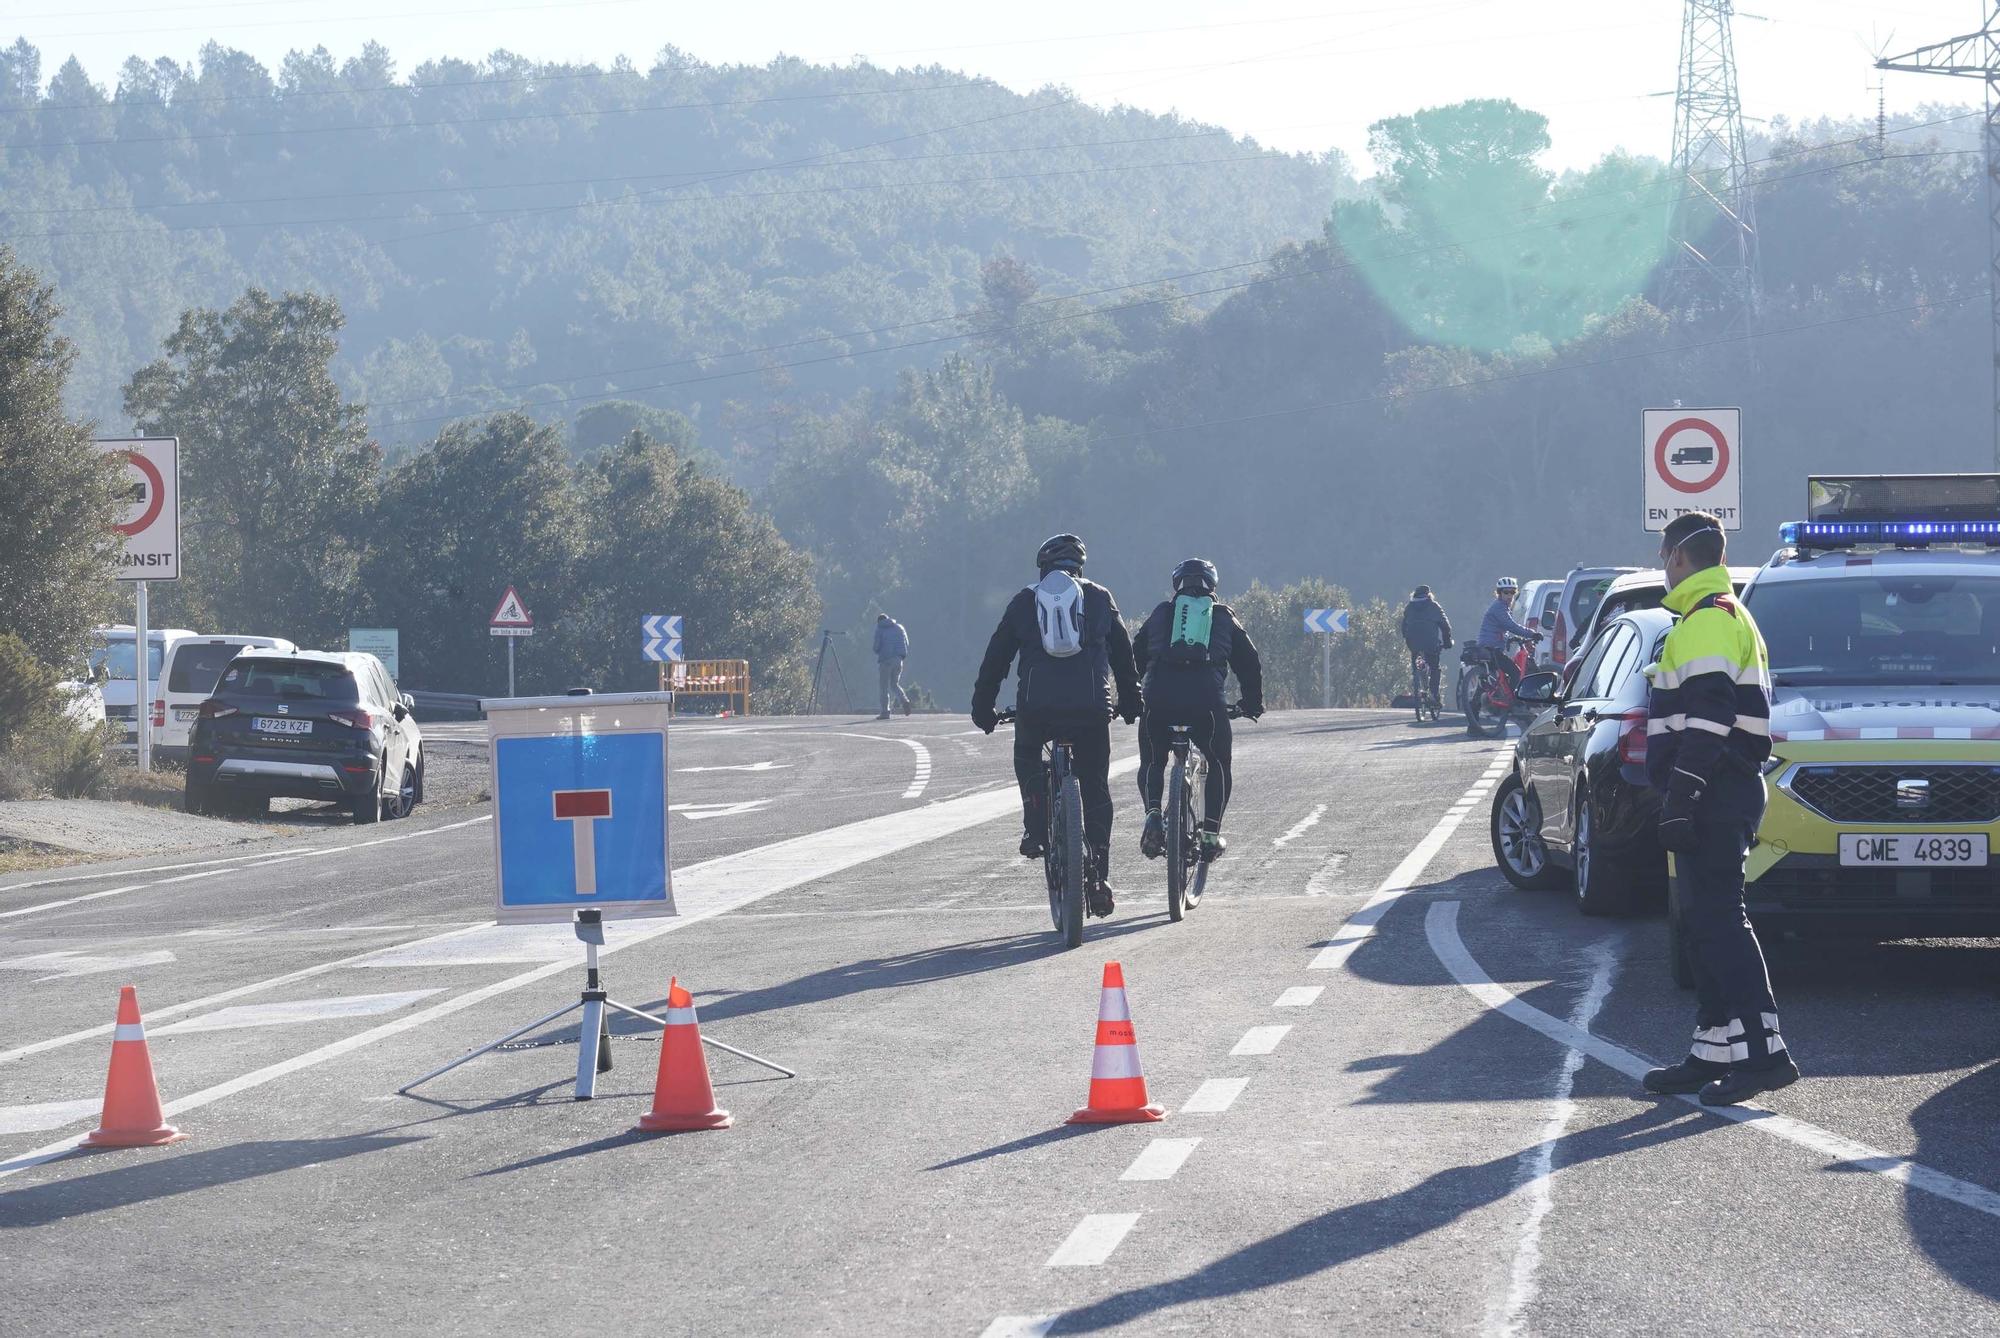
<point>1197,797</point>
<point>1472,690</point>
<point>1177,852</point>
<point>1076,859</point>
<point>1417,687</point>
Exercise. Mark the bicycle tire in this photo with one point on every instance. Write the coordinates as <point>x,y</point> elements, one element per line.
<point>1473,703</point>
<point>1197,803</point>
<point>1176,824</point>
<point>1076,855</point>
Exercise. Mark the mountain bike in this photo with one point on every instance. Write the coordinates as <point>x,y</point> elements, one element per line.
<point>1485,694</point>
<point>1066,855</point>
<point>1427,705</point>
<point>1187,791</point>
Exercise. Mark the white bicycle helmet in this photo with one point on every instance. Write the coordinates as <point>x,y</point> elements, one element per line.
<point>1506,583</point>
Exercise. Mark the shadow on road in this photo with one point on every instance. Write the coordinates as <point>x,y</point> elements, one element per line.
<point>164,1175</point>
<point>1357,1230</point>
<point>1040,1138</point>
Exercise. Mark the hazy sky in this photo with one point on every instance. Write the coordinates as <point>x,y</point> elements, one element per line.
<point>1296,74</point>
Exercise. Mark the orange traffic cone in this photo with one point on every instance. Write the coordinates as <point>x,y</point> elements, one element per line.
<point>1117,1087</point>
<point>682,1098</point>
<point>132,1116</point>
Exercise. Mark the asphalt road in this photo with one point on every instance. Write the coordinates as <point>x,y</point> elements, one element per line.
<point>1400,1093</point>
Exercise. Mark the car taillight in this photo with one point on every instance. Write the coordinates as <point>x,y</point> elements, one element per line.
<point>215,710</point>
<point>159,713</point>
<point>1559,642</point>
<point>355,719</point>
<point>1632,738</point>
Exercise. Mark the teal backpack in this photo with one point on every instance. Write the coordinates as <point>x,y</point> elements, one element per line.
<point>1188,630</point>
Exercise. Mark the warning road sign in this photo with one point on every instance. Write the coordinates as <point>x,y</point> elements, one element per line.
<point>149,517</point>
<point>511,618</point>
<point>1693,462</point>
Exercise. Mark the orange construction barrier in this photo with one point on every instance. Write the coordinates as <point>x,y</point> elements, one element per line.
<point>682,1097</point>
<point>132,1115</point>
<point>1117,1087</point>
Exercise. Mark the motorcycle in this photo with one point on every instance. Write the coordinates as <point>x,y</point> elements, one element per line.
<point>1485,694</point>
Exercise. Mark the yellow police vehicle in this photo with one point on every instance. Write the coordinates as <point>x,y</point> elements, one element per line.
<point>1882,615</point>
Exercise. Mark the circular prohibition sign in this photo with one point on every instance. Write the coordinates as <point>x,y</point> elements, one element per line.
<point>156,488</point>
<point>1714,434</point>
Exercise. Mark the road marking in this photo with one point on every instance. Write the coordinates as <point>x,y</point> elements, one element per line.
<point>1020,1326</point>
<point>1215,1096</point>
<point>746,766</point>
<point>288,1012</point>
<point>45,1115</point>
<point>1321,884</point>
<point>1441,925</point>
<point>703,891</point>
<point>157,868</point>
<point>1159,1159</point>
<point>1260,1040</point>
<point>1300,828</point>
<point>1299,996</point>
<point>1538,1163</point>
<point>922,777</point>
<point>68,964</point>
<point>701,812</point>
<point>266,862</point>
<point>1095,1237</point>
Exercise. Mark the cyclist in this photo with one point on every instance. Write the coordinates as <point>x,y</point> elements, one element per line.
<point>1074,650</point>
<point>1427,632</point>
<point>1184,654</point>
<point>1498,625</point>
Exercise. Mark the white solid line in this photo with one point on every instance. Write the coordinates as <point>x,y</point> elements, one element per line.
<point>1299,996</point>
<point>1442,927</point>
<point>1303,826</point>
<point>1095,1237</point>
<point>1020,1326</point>
<point>1214,1096</point>
<point>1509,1319</point>
<point>1159,1159</point>
<point>157,868</point>
<point>923,772</point>
<point>1260,1040</point>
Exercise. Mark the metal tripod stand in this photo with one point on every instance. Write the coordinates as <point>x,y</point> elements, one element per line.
<point>593,1040</point>
<point>826,648</point>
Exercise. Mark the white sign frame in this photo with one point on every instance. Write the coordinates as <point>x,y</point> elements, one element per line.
<point>152,549</point>
<point>384,643</point>
<point>1676,441</point>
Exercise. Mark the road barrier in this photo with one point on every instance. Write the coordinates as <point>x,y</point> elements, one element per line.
<point>728,679</point>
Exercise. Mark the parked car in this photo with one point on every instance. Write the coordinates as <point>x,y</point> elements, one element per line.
<point>306,725</point>
<point>1576,800</point>
<point>1536,608</point>
<point>113,663</point>
<point>1643,590</point>
<point>1574,609</point>
<point>189,673</point>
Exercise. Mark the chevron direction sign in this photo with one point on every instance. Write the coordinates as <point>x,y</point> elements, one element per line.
<point>660,635</point>
<point>1326,620</point>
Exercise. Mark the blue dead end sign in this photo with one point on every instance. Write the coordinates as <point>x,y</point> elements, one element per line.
<point>580,806</point>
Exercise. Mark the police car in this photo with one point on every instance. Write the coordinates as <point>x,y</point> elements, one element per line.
<point>1882,615</point>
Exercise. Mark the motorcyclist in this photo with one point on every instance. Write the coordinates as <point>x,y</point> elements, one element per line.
<point>1427,632</point>
<point>1074,652</point>
<point>1497,625</point>
<point>1184,654</point>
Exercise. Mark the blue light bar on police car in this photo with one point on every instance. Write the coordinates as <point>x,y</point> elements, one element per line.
<point>1891,533</point>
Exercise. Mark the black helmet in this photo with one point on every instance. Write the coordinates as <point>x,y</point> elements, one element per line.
<point>1064,550</point>
<point>1195,576</point>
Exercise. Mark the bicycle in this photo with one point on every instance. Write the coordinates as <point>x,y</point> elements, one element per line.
<point>1427,705</point>
<point>1485,694</point>
<point>1066,855</point>
<point>1187,792</point>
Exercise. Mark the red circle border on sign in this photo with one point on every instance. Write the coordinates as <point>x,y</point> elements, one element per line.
<point>1697,425</point>
<point>154,503</point>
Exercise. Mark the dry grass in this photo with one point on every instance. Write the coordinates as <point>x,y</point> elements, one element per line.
<point>155,789</point>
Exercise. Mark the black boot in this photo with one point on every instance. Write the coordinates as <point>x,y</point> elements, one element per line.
<point>1740,1083</point>
<point>1099,898</point>
<point>1685,1078</point>
<point>1153,841</point>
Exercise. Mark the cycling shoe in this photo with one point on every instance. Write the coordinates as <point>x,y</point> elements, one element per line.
<point>1032,847</point>
<point>1153,841</point>
<point>1101,901</point>
<point>1212,846</point>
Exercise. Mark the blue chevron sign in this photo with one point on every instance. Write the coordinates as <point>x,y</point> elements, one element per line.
<point>660,635</point>
<point>1326,620</point>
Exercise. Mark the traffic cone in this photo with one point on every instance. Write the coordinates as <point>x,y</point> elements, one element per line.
<point>682,1098</point>
<point>1117,1087</point>
<point>132,1116</point>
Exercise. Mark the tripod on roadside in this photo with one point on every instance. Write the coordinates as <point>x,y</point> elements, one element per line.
<point>826,648</point>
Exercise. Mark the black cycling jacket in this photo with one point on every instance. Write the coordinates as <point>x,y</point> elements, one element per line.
<point>1425,628</point>
<point>1079,685</point>
<point>1175,688</point>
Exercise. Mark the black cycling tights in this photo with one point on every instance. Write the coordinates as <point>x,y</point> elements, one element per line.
<point>1090,753</point>
<point>1210,732</point>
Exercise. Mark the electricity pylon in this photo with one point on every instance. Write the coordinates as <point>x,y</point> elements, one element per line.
<point>1713,269</point>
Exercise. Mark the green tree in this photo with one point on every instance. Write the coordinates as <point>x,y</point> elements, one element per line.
<point>1370,664</point>
<point>278,468</point>
<point>55,528</point>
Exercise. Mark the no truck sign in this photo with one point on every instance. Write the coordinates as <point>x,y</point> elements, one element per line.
<point>149,512</point>
<point>1693,462</point>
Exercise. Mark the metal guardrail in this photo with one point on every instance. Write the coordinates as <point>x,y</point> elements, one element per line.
<point>445,705</point>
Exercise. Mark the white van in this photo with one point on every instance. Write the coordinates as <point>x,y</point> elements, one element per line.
<point>187,679</point>
<point>111,657</point>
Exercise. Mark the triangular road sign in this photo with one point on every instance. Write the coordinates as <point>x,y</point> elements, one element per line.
<point>511,613</point>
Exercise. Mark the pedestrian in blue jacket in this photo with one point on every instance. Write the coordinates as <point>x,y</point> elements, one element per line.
<point>892,647</point>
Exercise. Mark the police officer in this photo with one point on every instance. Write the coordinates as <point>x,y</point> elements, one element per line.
<point>1708,737</point>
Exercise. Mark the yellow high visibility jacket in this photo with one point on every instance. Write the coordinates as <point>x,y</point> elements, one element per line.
<point>1711,693</point>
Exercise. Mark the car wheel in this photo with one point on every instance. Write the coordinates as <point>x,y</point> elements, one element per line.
<point>418,797</point>
<point>1679,965</point>
<point>400,804</point>
<point>366,808</point>
<point>253,806</point>
<point>1602,888</point>
<point>1516,829</point>
<point>195,798</point>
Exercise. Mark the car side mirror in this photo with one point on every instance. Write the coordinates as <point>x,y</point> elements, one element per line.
<point>1537,689</point>
<point>409,701</point>
<point>401,710</point>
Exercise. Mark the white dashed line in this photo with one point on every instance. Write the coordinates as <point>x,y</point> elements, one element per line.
<point>1159,1159</point>
<point>1303,826</point>
<point>1020,1326</point>
<point>1299,996</point>
<point>1260,1040</point>
<point>1215,1096</point>
<point>1095,1237</point>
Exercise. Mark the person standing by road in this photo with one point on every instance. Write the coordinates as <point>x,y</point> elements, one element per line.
<point>892,647</point>
<point>1707,741</point>
<point>1427,632</point>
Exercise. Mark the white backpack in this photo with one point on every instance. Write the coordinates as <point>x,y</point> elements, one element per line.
<point>1059,609</point>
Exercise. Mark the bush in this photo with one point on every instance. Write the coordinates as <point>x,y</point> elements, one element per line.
<point>43,749</point>
<point>27,690</point>
<point>1370,664</point>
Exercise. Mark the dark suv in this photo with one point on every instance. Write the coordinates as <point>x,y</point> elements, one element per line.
<point>306,725</point>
